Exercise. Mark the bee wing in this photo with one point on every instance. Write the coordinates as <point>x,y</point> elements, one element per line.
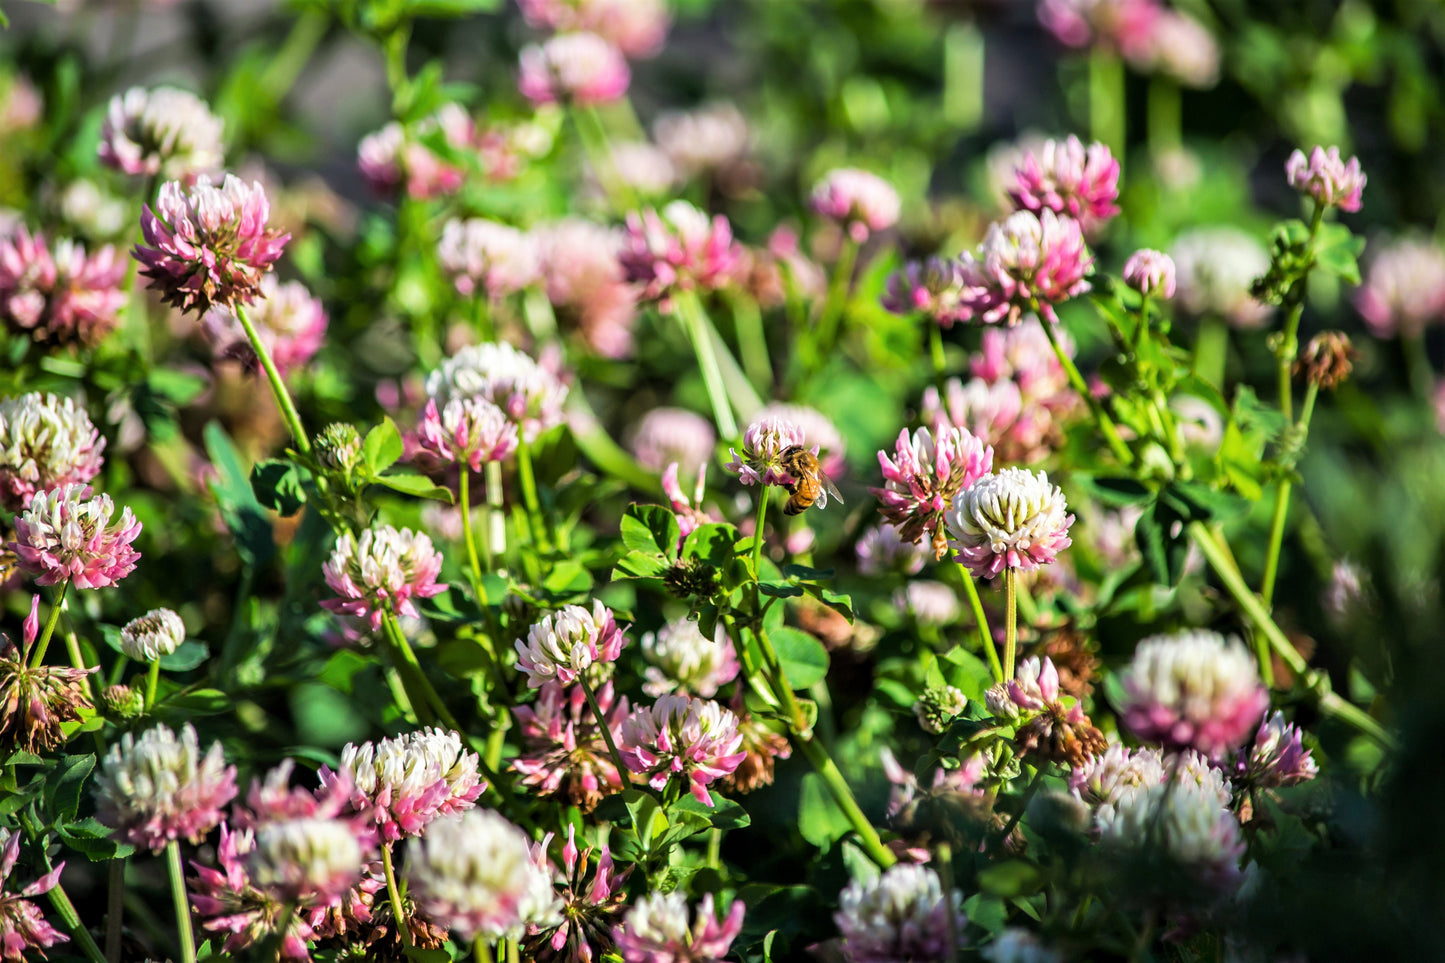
<point>828,489</point>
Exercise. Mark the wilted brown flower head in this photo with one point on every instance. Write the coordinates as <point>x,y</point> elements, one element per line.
<point>1327,359</point>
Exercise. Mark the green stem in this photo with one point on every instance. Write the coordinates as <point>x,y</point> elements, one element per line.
<point>496,518</point>
<point>1032,788</point>
<point>71,919</point>
<point>1011,621</point>
<point>843,796</point>
<point>1289,345</point>
<point>1281,504</point>
<point>466,507</point>
<point>612,750</point>
<point>985,636</point>
<point>285,68</point>
<point>827,330</point>
<point>761,519</point>
<point>690,313</point>
<point>1211,350</point>
<point>482,950</point>
<point>1106,99</point>
<point>1141,328</point>
<point>39,655</point>
<point>418,687</point>
<point>945,877</point>
<point>1417,364</point>
<point>593,135</point>
<point>153,677</point>
<point>393,893</point>
<point>940,363</point>
<point>752,342</point>
<point>278,386</point>
<point>1101,417</point>
<point>529,495</point>
<point>178,898</point>
<point>1165,115</point>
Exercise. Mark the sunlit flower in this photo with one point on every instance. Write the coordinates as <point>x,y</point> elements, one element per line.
<point>530,394</point>
<point>585,282</point>
<point>933,288</point>
<point>710,138</point>
<point>764,442</point>
<point>474,874</point>
<point>467,430</point>
<point>579,68</point>
<point>338,447</point>
<point>92,210</point>
<point>1215,267</point>
<point>1182,823</point>
<point>488,257</point>
<point>1027,262</point>
<point>899,916</point>
<point>1012,518</point>
<point>1053,727</point>
<point>289,321</point>
<point>1404,289</point>
<point>1183,49</point>
<point>46,442</point>
<point>819,433</point>
<point>1195,689</point>
<point>881,550</point>
<point>59,294</point>
<point>656,930</point>
<point>1277,758</point>
<point>1151,273</point>
<point>208,244</point>
<point>384,570</point>
<point>1116,772</point>
<point>859,201</point>
<point>563,750</point>
<point>589,903</point>
<point>566,643</point>
<point>226,902</point>
<point>667,435</point>
<point>637,27</point>
<point>158,787</point>
<point>36,701</point>
<point>23,929</point>
<point>162,131</point>
<point>681,659</point>
<point>996,413</point>
<point>157,633</point>
<point>924,476</point>
<point>1124,26</point>
<point>696,739</point>
<point>1068,178</point>
<point>309,861</point>
<point>395,155</point>
<point>677,249</point>
<point>1326,177</point>
<point>65,535</point>
<point>403,783</point>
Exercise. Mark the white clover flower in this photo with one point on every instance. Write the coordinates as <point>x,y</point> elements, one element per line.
<point>164,131</point>
<point>683,659</point>
<point>566,643</point>
<point>1017,945</point>
<point>406,782</point>
<point>157,633</point>
<point>1183,822</point>
<point>488,257</point>
<point>900,915</point>
<point>1012,518</point>
<point>475,875</point>
<point>309,860</point>
<point>45,441</point>
<point>1214,268</point>
<point>158,787</point>
<point>497,372</point>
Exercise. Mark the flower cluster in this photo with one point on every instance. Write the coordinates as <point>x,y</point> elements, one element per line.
<point>1151,273</point>
<point>1027,263</point>
<point>564,752</point>
<point>1052,727</point>
<point>1012,518</point>
<point>712,138</point>
<point>22,927</point>
<point>162,131</point>
<point>1404,289</point>
<point>681,659</point>
<point>932,288</point>
<point>470,431</point>
<point>568,642</point>
<point>403,784</point>
<point>37,700</point>
<point>1068,178</point>
<point>382,571</point>
<point>488,257</point>
<point>159,787</point>
<point>859,201</point>
<point>578,68</point>
<point>656,930</point>
<point>588,903</point>
<point>46,442</point>
<point>637,27</point>
<point>1182,823</point>
<point>695,739</point>
<point>585,283</point>
<point>673,435</point>
<point>396,156</point>
<point>764,441</point>
<point>157,633</point>
<point>924,476</point>
<point>904,914</point>
<point>59,295</point>
<point>676,249</point>
<point>65,535</point>
<point>529,394</point>
<point>1215,267</point>
<point>1327,178</point>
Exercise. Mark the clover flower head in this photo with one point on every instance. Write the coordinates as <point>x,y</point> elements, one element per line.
<point>1125,26</point>
<point>695,739</point>
<point>656,930</point>
<point>1116,772</point>
<point>579,68</point>
<point>1014,944</point>
<point>859,201</point>
<point>819,433</point>
<point>764,442</point>
<point>932,287</point>
<point>678,248</point>
<point>489,257</point>
<point>1326,177</point>
<point>762,745</point>
<point>1151,273</point>
<point>162,131</point>
<point>309,861</point>
<point>471,431</point>
<point>936,708</point>
<point>65,535</point>
<point>289,321</point>
<point>881,550</point>
<point>58,294</point>
<point>207,243</point>
<point>924,476</point>
<point>996,412</point>
<point>667,435</point>
<point>1326,360</point>
<point>227,902</point>
<point>404,783</point>
<point>46,442</point>
<point>1012,518</point>
<point>338,447</point>
<point>36,701</point>
<point>474,874</point>
<point>563,750</point>
<point>568,642</point>
<point>681,659</point>
<point>589,901</point>
<point>1068,178</point>
<point>157,633</point>
<point>1215,267</point>
<point>584,280</point>
<point>711,138</point>
<point>1052,727</point>
<point>385,570</point>
<point>637,27</point>
<point>529,394</point>
<point>23,929</point>
<point>1182,48</point>
<point>158,787</point>
<point>1027,262</point>
<point>1404,289</point>
<point>1277,758</point>
<point>1193,690</point>
<point>396,156</point>
<point>1182,823</point>
<point>641,166</point>
<point>903,914</point>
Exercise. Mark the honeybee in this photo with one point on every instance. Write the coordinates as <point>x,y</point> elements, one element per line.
<point>812,486</point>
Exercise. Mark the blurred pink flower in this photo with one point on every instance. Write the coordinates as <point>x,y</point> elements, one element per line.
<point>933,288</point>
<point>528,392</point>
<point>678,248</point>
<point>666,435</point>
<point>384,570</point>
<point>881,551</point>
<point>1404,289</point>
<point>859,201</point>
<point>563,751</point>
<point>1068,178</point>
<point>467,430</point>
<point>23,930</point>
<point>695,739</point>
<point>924,475</point>
<point>997,414</point>
<point>682,660</point>
<point>1024,355</point>
<point>579,68</point>
<point>1013,518</point>
<point>637,27</point>
<point>487,257</point>
<point>45,442</point>
<point>585,283</point>
<point>1125,26</point>
<point>688,511</point>
<point>158,787</point>
<point>1215,267</point>
<point>289,321</point>
<point>656,930</point>
<point>1326,177</point>
<point>1277,758</point>
<point>208,244</point>
<point>65,535</point>
<point>564,644</point>
<point>710,138</point>
<point>226,902</point>
<point>1151,273</point>
<point>161,131</point>
<point>307,862</point>
<point>1027,262</point>
<point>396,156</point>
<point>1181,48</point>
<point>62,296</point>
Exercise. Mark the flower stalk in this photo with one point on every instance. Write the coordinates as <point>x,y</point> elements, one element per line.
<point>38,656</point>
<point>393,893</point>
<point>1011,620</point>
<point>689,311</point>
<point>178,898</point>
<point>278,387</point>
<point>980,618</point>
<point>1101,417</point>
